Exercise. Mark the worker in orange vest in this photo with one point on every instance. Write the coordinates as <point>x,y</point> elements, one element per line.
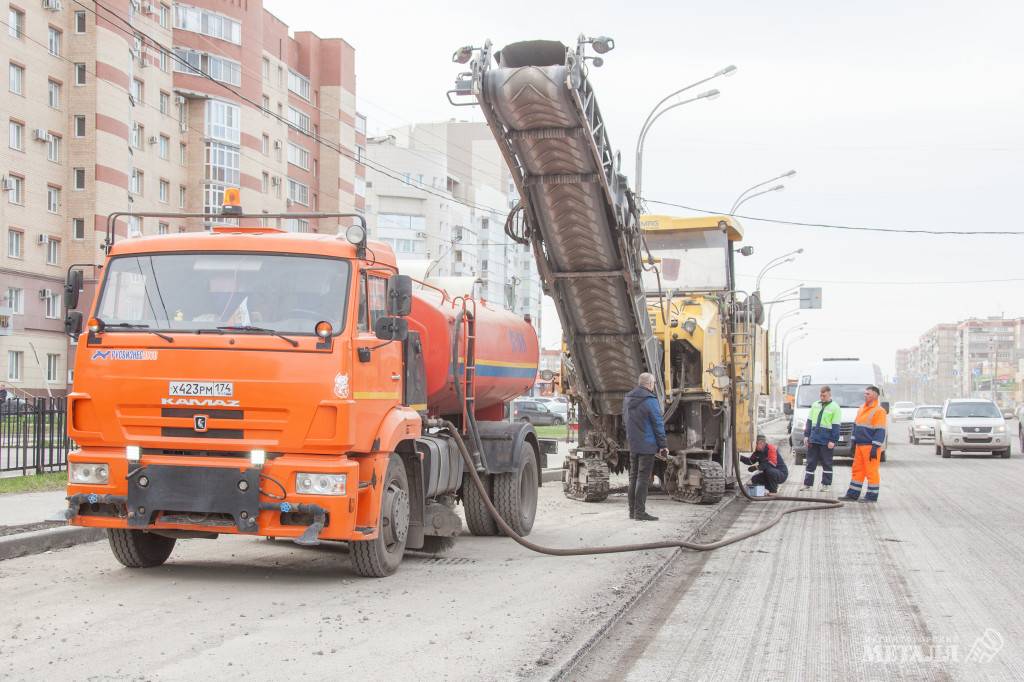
<point>868,442</point>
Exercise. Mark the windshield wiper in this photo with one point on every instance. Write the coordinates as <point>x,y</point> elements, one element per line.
<point>259,330</point>
<point>145,327</point>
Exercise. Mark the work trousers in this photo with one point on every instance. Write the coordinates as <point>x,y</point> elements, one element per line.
<point>816,454</point>
<point>640,468</point>
<point>865,468</point>
<point>770,478</point>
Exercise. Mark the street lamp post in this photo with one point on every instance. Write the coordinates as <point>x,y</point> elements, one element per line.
<point>655,114</point>
<point>740,199</point>
<point>774,263</point>
<point>790,347</point>
<point>776,188</point>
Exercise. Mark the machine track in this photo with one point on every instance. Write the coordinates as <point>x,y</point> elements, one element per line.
<point>587,480</point>
<point>712,483</point>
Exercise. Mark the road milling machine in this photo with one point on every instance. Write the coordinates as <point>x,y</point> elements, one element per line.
<point>633,294</point>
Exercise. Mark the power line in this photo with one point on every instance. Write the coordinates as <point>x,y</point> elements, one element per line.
<point>854,228</point>
<point>888,283</point>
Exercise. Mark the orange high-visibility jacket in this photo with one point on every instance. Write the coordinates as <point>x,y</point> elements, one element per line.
<point>869,427</point>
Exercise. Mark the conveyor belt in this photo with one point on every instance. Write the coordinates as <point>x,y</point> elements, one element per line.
<point>541,109</point>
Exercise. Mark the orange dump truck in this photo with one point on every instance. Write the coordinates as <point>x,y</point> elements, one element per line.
<point>247,380</point>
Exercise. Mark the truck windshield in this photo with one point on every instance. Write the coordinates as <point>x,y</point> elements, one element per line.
<point>694,260</point>
<point>844,395</point>
<point>199,291</point>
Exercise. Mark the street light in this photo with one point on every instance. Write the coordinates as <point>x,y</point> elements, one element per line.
<point>710,94</point>
<point>654,114</point>
<point>774,263</point>
<point>739,199</point>
<point>795,341</point>
<point>775,333</point>
<point>776,188</point>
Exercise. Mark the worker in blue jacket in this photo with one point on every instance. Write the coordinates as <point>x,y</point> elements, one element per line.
<point>645,433</point>
<point>767,465</point>
<point>821,433</point>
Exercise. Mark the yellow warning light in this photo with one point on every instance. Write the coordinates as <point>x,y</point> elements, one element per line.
<point>232,201</point>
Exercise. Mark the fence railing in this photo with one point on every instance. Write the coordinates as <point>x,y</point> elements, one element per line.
<point>33,435</point>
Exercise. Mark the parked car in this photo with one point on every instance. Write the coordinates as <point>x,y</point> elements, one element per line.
<point>535,412</point>
<point>902,410</point>
<point>972,425</point>
<point>15,406</point>
<point>557,404</point>
<point>922,422</point>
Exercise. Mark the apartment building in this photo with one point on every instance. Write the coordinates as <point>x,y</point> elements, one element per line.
<point>109,108</point>
<point>445,203</point>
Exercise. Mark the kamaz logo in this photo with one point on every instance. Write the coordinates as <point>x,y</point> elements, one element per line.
<point>199,402</point>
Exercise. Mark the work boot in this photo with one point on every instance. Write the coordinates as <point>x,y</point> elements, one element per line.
<point>632,514</point>
<point>644,516</point>
<point>824,488</point>
<point>805,488</point>
<point>849,498</point>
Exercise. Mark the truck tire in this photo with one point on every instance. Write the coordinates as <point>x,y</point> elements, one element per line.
<point>478,519</point>
<point>1005,454</point>
<point>381,556</point>
<point>139,549</point>
<point>515,493</point>
<point>798,458</point>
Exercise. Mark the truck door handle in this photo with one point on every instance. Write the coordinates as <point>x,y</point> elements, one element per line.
<point>396,377</point>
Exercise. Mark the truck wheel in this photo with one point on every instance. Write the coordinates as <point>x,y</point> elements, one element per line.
<point>913,441</point>
<point>557,421</point>
<point>478,518</point>
<point>515,493</point>
<point>139,549</point>
<point>380,557</point>
<point>1005,454</point>
<point>798,458</point>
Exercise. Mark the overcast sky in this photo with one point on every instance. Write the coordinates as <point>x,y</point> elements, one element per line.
<point>902,115</point>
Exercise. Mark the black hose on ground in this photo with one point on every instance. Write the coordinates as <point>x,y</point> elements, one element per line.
<point>638,547</point>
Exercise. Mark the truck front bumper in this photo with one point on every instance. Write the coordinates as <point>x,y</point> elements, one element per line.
<point>213,495</point>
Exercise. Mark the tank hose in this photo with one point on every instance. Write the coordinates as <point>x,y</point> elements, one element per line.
<point>820,503</point>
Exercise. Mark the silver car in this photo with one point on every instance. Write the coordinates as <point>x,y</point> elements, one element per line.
<point>923,422</point>
<point>901,410</point>
<point>972,425</point>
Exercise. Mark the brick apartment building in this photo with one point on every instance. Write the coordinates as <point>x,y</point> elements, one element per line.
<point>100,120</point>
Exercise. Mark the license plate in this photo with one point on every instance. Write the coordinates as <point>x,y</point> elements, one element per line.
<point>213,389</point>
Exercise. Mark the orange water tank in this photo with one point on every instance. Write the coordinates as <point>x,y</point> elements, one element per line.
<point>507,352</point>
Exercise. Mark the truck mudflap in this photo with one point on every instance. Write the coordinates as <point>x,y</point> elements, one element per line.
<point>311,536</point>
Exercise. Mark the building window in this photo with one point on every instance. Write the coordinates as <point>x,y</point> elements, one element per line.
<point>15,23</point>
<point>223,164</point>
<point>295,225</point>
<point>52,304</point>
<point>266,70</point>
<point>280,75</point>
<point>202,64</point>
<point>136,183</point>
<point>360,124</point>
<point>360,154</point>
<point>265,183</point>
<point>15,358</point>
<point>298,84</point>
<point>316,168</point>
<point>360,185</point>
<point>53,147</point>
<point>181,196</point>
<point>223,121</point>
<point>78,228</point>
<point>53,94</point>
<point>298,192</point>
<point>15,189</point>
<point>138,135</point>
<point>79,179</point>
<point>265,145</point>
<point>298,120</point>
<point>164,147</point>
<point>165,102</point>
<point>208,23</point>
<point>80,21</point>
<point>16,300</point>
<point>298,156</point>
<point>16,78</point>
<point>79,73</point>
<point>134,226</point>
<point>52,367</point>
<point>163,228</point>
<point>165,16</point>
<point>165,191</point>
<point>165,63</point>
<point>266,105</point>
<point>52,251</point>
<point>16,136</point>
<point>79,126</point>
<point>54,43</point>
<point>53,199</point>
<point>15,243</point>
<point>182,153</point>
<point>137,90</point>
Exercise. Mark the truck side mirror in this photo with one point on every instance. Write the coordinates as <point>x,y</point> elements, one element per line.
<point>72,287</point>
<point>391,329</point>
<point>885,406</point>
<point>787,409</point>
<point>399,295</point>
<point>73,323</point>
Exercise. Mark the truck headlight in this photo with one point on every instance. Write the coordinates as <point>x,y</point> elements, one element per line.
<point>320,484</point>
<point>83,472</point>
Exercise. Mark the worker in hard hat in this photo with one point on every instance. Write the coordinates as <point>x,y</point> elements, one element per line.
<point>821,433</point>
<point>645,433</point>
<point>767,462</point>
<point>868,441</point>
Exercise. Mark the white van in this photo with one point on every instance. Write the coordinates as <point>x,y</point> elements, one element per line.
<point>848,377</point>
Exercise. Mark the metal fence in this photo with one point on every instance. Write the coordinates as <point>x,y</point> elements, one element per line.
<point>34,435</point>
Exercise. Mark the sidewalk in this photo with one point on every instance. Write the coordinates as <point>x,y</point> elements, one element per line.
<point>17,509</point>
<point>25,527</point>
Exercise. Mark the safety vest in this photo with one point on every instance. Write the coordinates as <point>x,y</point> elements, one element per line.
<point>823,422</point>
<point>870,425</point>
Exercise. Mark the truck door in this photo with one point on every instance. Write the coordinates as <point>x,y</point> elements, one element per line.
<point>376,365</point>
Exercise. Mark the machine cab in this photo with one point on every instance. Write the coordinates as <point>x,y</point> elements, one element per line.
<point>693,254</point>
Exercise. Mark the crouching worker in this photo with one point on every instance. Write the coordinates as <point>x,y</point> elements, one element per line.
<point>768,463</point>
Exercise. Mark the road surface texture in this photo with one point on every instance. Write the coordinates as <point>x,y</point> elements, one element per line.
<point>258,609</point>
<point>925,585</point>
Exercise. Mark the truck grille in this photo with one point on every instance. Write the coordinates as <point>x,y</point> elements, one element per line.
<point>846,430</point>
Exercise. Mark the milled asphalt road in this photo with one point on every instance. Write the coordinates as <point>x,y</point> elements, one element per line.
<point>928,584</point>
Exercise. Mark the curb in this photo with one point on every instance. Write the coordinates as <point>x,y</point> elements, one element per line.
<point>39,541</point>
<point>566,664</point>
